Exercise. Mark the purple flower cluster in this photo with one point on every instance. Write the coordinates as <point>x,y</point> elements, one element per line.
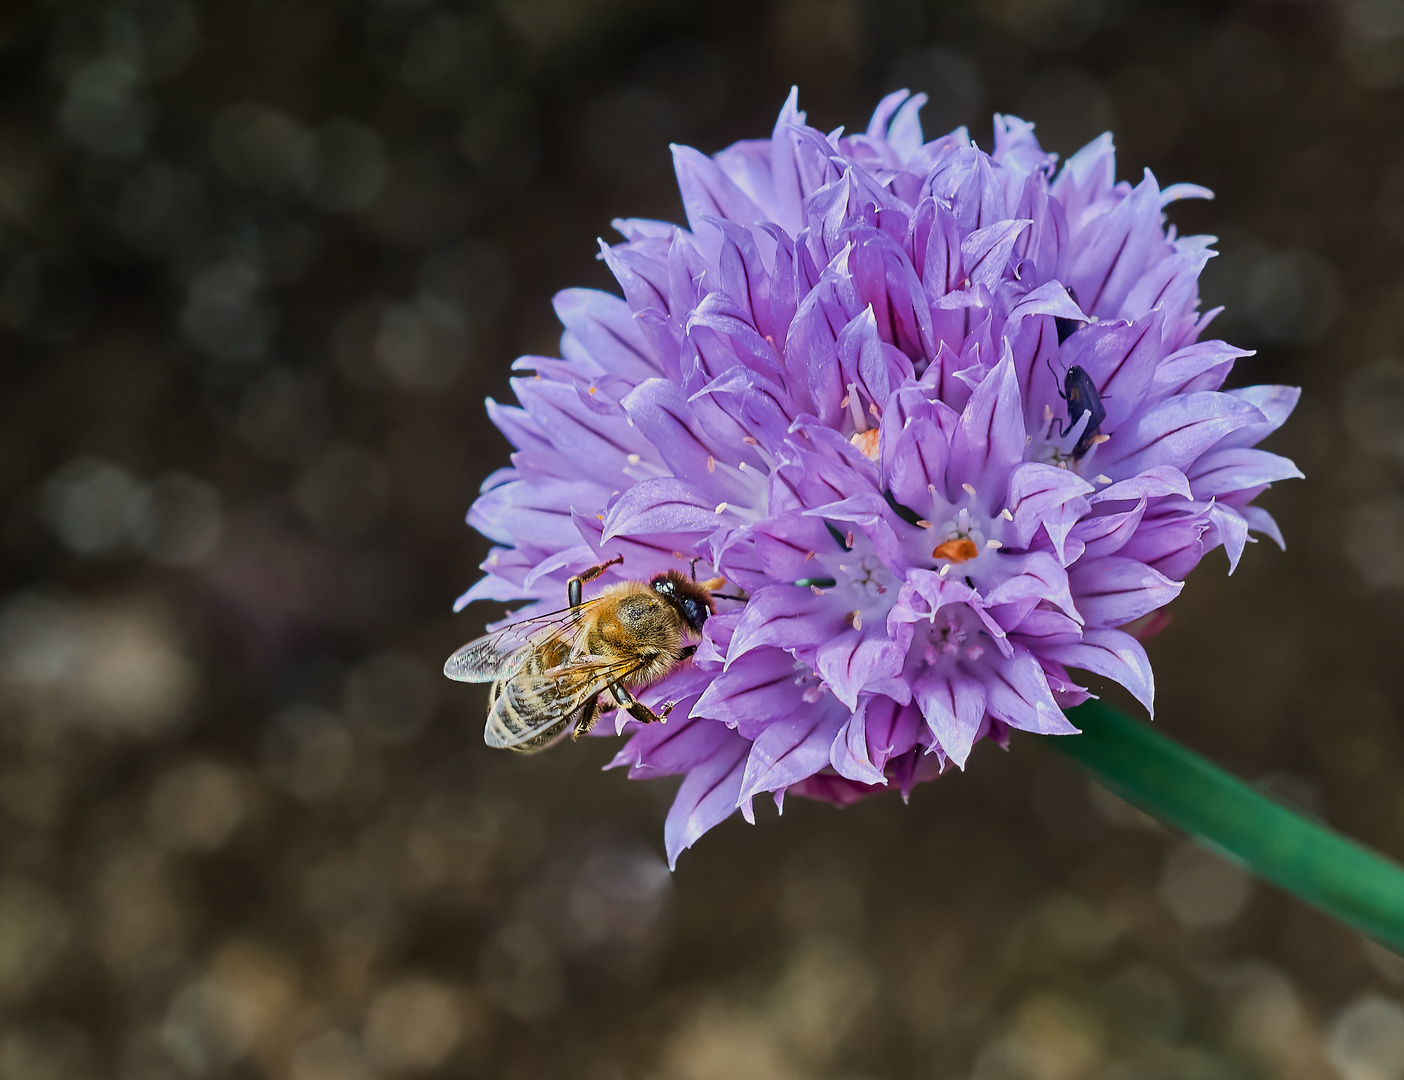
<point>845,387</point>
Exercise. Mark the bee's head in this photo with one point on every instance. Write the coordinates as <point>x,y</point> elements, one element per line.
<point>690,600</point>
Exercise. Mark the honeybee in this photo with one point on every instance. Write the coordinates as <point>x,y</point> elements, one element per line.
<point>549,672</point>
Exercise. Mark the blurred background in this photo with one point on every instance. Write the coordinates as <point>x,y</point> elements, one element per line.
<point>260,263</point>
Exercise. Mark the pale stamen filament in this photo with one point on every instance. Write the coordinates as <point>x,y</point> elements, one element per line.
<point>855,408</point>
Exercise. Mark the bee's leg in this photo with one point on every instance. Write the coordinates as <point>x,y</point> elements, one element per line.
<point>687,650</point>
<point>575,584</point>
<point>637,709</point>
<point>588,716</point>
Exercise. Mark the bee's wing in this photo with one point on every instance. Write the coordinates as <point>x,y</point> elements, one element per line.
<point>530,713</point>
<point>500,654</point>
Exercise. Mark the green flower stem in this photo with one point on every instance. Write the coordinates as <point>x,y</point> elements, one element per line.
<point>1176,785</point>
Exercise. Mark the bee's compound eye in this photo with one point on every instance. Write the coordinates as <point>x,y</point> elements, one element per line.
<point>694,612</point>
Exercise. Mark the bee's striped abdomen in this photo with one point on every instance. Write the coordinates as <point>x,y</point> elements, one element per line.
<point>524,713</point>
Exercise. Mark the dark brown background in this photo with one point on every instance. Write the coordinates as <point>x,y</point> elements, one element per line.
<point>260,262</point>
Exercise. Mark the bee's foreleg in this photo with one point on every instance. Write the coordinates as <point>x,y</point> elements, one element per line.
<point>588,715</point>
<point>637,709</point>
<point>575,584</point>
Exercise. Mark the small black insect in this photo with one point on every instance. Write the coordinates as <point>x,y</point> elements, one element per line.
<point>1080,392</point>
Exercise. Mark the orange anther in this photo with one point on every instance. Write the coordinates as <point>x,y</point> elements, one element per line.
<point>960,550</point>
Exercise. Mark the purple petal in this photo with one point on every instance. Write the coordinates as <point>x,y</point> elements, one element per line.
<point>916,458</point>
<point>707,796</point>
<point>604,326</point>
<point>1051,298</point>
<point>1260,521</point>
<point>849,753</point>
<point>879,729</point>
<point>789,749</point>
<point>1018,694</point>
<point>1156,482</point>
<point>942,376</point>
<point>922,595</point>
<point>904,133</point>
<point>1172,285</point>
<point>1109,254</point>
<point>1109,533</point>
<point>954,707</point>
<point>660,411</point>
<point>1228,527</point>
<point>990,438</point>
<point>886,108</point>
<point>1087,177</point>
<point>1114,654</point>
<point>1201,366</point>
<point>1017,148</point>
<point>886,282</point>
<point>1225,470</point>
<point>1043,626</point>
<point>597,439</point>
<point>561,565</point>
<point>1046,243</point>
<point>1034,344</point>
<point>669,748</point>
<point>1274,402</point>
<point>936,243</point>
<point>1176,431</point>
<point>811,348</point>
<point>716,636</point>
<point>1114,590</point>
<point>985,252</point>
<point>788,190</point>
<point>1037,576</point>
<point>979,200</point>
<point>538,513</point>
<point>1121,359</point>
<point>750,401</point>
<point>1175,192</point>
<point>707,192</point>
<point>851,660</point>
<point>756,688</point>
<point>652,553</point>
<point>1041,494</point>
<point>913,768</point>
<point>786,545</point>
<point>521,430</point>
<point>663,504</point>
<point>642,272</point>
<point>783,616</point>
<point>741,276</point>
<point>1173,544</point>
<point>723,339</point>
<point>643,228</point>
<point>868,363</point>
<point>832,788</point>
<point>490,587</point>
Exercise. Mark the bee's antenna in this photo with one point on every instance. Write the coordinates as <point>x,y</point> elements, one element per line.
<point>724,596</point>
<point>692,566</point>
